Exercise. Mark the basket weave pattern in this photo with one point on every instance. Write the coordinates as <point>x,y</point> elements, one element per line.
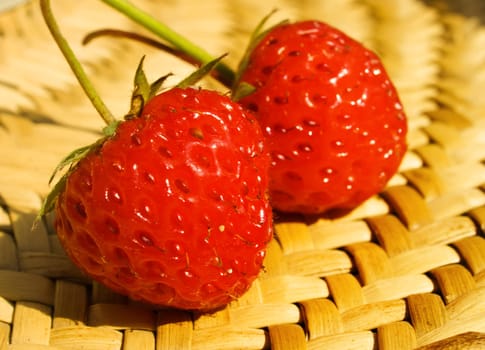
<point>405,270</point>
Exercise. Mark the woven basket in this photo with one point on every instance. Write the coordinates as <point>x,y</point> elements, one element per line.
<point>405,270</point>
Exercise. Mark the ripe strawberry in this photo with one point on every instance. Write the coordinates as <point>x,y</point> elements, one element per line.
<point>335,126</point>
<point>172,209</point>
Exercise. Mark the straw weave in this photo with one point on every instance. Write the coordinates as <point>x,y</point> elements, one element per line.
<point>405,270</point>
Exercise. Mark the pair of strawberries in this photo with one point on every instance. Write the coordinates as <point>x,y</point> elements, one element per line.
<point>175,206</point>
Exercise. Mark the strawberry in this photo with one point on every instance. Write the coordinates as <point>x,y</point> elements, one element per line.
<point>334,124</point>
<point>170,207</point>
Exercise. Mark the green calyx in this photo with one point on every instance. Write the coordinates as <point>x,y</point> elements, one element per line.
<point>242,89</point>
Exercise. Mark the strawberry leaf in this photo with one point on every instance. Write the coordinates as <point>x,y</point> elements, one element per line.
<point>257,35</point>
<point>243,89</point>
<point>110,129</point>
<point>200,73</point>
<point>141,92</point>
<point>157,85</point>
<point>69,161</point>
<point>50,199</point>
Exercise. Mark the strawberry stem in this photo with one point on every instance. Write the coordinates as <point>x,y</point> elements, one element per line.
<point>75,64</point>
<point>226,74</point>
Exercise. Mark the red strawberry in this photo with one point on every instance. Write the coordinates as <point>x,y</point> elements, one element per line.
<point>335,125</point>
<point>172,209</point>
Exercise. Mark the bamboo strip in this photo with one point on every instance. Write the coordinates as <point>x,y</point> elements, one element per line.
<point>31,323</point>
<point>174,330</point>
<point>349,340</point>
<point>119,316</point>
<point>134,339</point>
<point>290,336</point>
<point>233,338</point>
<point>292,288</point>
<point>17,286</point>
<point>6,311</point>
<point>321,318</point>
<point>396,335</point>
<point>70,304</point>
<point>79,338</point>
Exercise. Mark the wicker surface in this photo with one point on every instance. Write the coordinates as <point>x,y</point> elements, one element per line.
<point>405,270</point>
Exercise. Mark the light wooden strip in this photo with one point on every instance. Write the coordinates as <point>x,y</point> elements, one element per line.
<point>174,329</point>
<point>433,156</point>
<point>50,265</point>
<point>370,316</point>
<point>462,176</point>
<point>293,237</point>
<point>257,316</point>
<point>478,216</point>
<point>8,252</point>
<point>29,237</point>
<point>4,335</point>
<point>4,219</point>
<point>411,160</point>
<point>138,340</point>
<point>442,232</point>
<point>6,310</point>
<point>252,296</point>
<point>292,288</point>
<point>81,338</point>
<point>409,206</point>
<point>21,189</point>
<point>328,235</point>
<point>467,305</point>
<point>396,335</point>
<point>454,328</point>
<point>371,261</point>
<point>426,312</point>
<point>34,347</point>
<point>19,197</point>
<point>466,340</point>
<point>318,263</point>
<point>397,288</point>
<point>70,304</point>
<point>472,250</point>
<point>287,337</point>
<point>443,134</point>
<point>119,316</point>
<point>345,290</point>
<point>453,281</point>
<point>229,338</point>
<point>347,340</point>
<point>211,319</point>
<point>102,294</point>
<point>426,181</point>
<point>391,234</point>
<point>17,286</point>
<point>321,318</point>
<point>31,323</point>
<point>424,259</point>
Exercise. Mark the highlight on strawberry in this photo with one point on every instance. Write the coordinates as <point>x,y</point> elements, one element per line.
<point>332,118</point>
<point>170,206</point>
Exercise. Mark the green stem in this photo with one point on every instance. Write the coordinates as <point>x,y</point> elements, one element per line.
<point>226,74</point>
<point>75,64</point>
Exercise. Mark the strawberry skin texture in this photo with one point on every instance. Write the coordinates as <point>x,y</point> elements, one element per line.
<point>335,126</point>
<point>172,209</point>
